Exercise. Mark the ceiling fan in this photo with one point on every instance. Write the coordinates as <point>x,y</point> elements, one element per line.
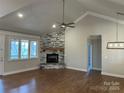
<point>63,24</point>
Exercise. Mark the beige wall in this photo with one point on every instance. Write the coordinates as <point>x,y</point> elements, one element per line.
<point>1,54</point>
<point>18,66</point>
<point>76,44</point>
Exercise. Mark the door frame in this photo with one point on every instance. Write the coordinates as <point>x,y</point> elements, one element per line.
<point>89,42</point>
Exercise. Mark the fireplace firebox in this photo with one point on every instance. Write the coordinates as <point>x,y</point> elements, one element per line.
<point>52,58</point>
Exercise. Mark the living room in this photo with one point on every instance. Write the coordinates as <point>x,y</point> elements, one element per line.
<point>66,46</point>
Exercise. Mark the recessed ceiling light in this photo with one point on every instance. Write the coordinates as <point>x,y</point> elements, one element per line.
<point>20,15</point>
<point>54,26</point>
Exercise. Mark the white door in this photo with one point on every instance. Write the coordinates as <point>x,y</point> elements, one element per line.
<point>1,54</point>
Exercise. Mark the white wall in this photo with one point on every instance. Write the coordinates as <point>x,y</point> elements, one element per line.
<point>18,66</point>
<point>1,54</point>
<point>76,44</point>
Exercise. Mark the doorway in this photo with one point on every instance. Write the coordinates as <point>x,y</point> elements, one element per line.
<point>94,53</point>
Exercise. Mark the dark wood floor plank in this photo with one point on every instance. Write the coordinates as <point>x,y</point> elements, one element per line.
<point>59,81</point>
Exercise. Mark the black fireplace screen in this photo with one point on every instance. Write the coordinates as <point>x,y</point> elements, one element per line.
<point>52,58</point>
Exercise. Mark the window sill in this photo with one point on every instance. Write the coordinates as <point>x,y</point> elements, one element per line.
<point>23,59</point>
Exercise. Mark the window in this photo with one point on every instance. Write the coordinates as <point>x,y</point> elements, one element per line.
<point>24,49</point>
<point>33,49</point>
<point>14,49</point>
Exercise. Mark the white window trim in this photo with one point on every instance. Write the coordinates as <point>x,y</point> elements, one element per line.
<point>36,50</point>
<point>9,54</point>
<point>19,56</point>
<point>20,49</point>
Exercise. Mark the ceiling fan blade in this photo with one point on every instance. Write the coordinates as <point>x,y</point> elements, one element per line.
<point>70,26</point>
<point>70,23</point>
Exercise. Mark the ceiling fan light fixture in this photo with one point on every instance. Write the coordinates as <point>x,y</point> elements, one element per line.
<point>63,26</point>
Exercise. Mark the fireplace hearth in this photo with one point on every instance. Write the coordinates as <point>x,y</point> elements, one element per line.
<point>52,60</point>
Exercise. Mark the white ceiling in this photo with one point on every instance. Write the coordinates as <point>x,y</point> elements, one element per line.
<point>105,7</point>
<point>8,6</point>
<point>39,15</point>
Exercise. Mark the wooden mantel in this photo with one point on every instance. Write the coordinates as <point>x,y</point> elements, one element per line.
<point>54,49</point>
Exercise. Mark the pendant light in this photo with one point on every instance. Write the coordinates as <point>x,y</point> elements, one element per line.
<point>117,44</point>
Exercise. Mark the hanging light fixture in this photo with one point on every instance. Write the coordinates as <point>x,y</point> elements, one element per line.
<point>117,44</point>
<point>63,24</point>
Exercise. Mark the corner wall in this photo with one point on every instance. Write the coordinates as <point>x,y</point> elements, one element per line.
<point>76,45</point>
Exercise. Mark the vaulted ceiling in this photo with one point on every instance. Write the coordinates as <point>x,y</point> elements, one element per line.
<point>40,15</point>
<point>105,7</point>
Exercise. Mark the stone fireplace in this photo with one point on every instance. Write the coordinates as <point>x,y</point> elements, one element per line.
<point>52,49</point>
<point>59,55</point>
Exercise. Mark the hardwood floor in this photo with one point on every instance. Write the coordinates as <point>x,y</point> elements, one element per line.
<point>60,81</point>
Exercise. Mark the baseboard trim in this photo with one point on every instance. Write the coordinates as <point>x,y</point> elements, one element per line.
<point>19,71</point>
<point>113,75</point>
<point>73,68</point>
<point>97,69</point>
